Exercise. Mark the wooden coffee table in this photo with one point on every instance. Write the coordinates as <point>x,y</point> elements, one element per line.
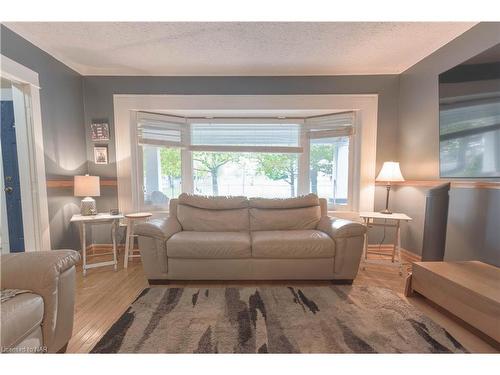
<point>469,290</point>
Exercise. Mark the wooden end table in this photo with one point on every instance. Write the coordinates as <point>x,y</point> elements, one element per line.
<point>102,218</point>
<point>390,221</point>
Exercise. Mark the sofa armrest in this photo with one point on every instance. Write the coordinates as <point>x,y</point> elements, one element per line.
<point>51,275</point>
<point>340,228</point>
<point>160,229</point>
<point>153,236</point>
<point>349,238</point>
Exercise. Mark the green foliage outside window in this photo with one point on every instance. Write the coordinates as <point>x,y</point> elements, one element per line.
<point>211,162</point>
<point>170,162</point>
<point>279,167</point>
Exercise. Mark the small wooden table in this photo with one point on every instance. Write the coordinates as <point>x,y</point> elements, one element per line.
<point>395,221</point>
<point>130,236</point>
<point>97,219</point>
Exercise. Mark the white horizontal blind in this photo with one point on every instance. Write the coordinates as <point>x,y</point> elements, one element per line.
<point>160,130</point>
<point>245,135</point>
<point>335,125</point>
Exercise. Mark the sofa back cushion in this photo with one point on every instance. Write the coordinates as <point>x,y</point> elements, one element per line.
<point>213,214</point>
<point>284,214</point>
<point>213,203</point>
<point>284,219</point>
<point>303,201</point>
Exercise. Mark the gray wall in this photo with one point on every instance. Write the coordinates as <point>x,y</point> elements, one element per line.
<point>61,99</point>
<point>470,234</point>
<point>99,92</point>
<point>67,110</point>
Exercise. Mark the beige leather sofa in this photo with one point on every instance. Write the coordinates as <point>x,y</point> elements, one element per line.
<point>40,320</point>
<point>236,238</point>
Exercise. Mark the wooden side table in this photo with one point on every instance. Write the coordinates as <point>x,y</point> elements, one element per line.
<point>129,239</point>
<point>394,222</point>
<point>92,220</point>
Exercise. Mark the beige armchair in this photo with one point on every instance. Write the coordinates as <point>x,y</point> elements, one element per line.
<point>40,319</point>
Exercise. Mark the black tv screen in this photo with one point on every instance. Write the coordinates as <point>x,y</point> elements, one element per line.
<point>469,118</point>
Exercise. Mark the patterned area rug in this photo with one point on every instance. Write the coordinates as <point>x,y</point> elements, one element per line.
<point>310,319</point>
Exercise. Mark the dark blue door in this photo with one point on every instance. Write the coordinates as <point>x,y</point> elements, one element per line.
<point>11,177</point>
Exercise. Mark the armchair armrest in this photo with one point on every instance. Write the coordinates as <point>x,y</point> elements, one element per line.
<point>51,275</point>
<point>340,228</point>
<point>160,229</point>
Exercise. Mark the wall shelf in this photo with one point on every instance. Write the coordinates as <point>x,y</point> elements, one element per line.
<point>461,184</point>
<point>66,183</point>
<point>112,182</point>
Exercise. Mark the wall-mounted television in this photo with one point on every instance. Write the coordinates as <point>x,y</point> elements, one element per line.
<point>469,118</point>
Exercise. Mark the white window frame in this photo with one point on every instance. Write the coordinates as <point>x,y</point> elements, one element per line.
<point>329,133</point>
<point>303,150</point>
<point>365,105</point>
<point>137,155</point>
<point>350,177</point>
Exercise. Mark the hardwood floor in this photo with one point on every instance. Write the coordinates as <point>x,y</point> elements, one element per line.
<point>104,295</point>
<point>101,298</point>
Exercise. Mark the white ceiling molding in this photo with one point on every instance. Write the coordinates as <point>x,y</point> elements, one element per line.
<point>239,48</point>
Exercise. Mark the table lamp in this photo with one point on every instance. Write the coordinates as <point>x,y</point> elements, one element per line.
<point>390,172</point>
<point>87,187</point>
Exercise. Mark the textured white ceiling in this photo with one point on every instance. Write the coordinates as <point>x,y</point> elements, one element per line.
<point>236,48</point>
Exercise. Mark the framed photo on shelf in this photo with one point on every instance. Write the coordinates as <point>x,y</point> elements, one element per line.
<point>99,131</point>
<point>101,154</point>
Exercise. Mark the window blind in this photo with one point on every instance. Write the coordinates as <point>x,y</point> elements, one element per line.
<point>161,130</point>
<point>248,135</point>
<point>335,125</point>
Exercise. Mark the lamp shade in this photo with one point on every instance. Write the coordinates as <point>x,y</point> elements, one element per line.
<point>390,172</point>
<point>87,186</point>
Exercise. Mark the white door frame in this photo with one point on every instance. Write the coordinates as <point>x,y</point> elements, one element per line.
<point>31,159</point>
<point>365,105</point>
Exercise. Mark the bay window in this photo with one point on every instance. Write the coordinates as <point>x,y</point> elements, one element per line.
<point>245,173</point>
<point>252,157</point>
<point>161,175</point>
<point>331,158</point>
<point>329,169</point>
<point>159,143</point>
<point>274,158</point>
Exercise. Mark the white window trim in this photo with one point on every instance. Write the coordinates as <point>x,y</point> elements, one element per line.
<point>305,180</point>
<point>31,158</point>
<point>365,106</point>
<point>184,124</point>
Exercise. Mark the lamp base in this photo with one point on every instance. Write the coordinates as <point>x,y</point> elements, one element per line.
<point>386,212</point>
<point>88,207</point>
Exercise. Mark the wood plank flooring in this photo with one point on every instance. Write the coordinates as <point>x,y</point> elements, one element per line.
<point>101,298</point>
<point>104,295</point>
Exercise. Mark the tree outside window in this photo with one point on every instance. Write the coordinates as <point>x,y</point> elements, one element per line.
<point>170,161</point>
<point>211,163</point>
<point>321,161</point>
<point>279,167</point>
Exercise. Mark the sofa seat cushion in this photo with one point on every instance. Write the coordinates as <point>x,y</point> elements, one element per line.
<point>21,315</point>
<point>209,245</point>
<point>292,244</point>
